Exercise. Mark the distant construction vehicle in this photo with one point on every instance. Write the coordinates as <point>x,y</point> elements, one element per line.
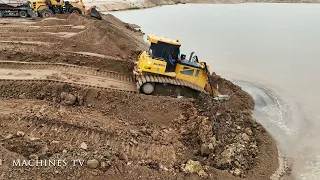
<point>16,8</point>
<point>162,69</point>
<point>45,8</point>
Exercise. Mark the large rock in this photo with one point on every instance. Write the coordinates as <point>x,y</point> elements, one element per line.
<point>226,157</point>
<point>249,131</point>
<point>67,98</point>
<point>20,133</point>
<point>194,167</point>
<point>84,146</point>
<point>228,154</point>
<point>33,157</point>
<point>245,137</point>
<point>237,172</point>
<point>208,148</point>
<point>123,157</point>
<point>93,163</point>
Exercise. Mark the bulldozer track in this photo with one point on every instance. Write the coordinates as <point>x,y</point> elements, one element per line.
<point>165,80</point>
<point>66,68</point>
<point>74,135</point>
<point>93,55</point>
<point>40,43</point>
<point>42,27</point>
<point>57,82</point>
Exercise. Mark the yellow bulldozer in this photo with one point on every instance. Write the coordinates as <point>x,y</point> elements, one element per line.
<point>45,8</point>
<point>162,70</point>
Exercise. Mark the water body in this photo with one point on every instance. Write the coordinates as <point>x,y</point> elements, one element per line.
<point>271,50</point>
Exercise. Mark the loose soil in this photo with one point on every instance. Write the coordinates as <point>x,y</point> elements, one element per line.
<point>74,99</point>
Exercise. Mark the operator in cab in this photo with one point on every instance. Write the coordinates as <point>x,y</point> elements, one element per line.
<point>174,58</point>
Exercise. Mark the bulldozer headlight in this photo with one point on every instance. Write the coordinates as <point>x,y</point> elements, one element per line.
<point>149,62</point>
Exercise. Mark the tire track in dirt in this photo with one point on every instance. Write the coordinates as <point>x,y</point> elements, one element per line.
<point>40,36</point>
<point>95,55</point>
<point>63,73</point>
<point>72,135</point>
<point>55,82</point>
<point>39,43</point>
<point>66,68</point>
<point>42,27</point>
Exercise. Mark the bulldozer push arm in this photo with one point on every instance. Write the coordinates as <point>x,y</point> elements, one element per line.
<point>214,91</point>
<point>209,87</point>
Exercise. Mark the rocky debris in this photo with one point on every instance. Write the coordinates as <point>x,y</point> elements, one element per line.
<point>207,138</point>
<point>25,147</point>
<point>20,133</point>
<point>225,136</point>
<point>9,136</point>
<point>22,96</point>
<point>54,142</point>
<point>32,138</point>
<point>68,99</point>
<point>93,163</point>
<point>162,167</point>
<point>133,142</point>
<point>33,157</point>
<point>245,137</point>
<point>105,165</point>
<point>206,149</point>
<point>123,157</point>
<point>249,131</point>
<point>84,146</point>
<point>64,152</point>
<point>237,172</point>
<point>194,167</point>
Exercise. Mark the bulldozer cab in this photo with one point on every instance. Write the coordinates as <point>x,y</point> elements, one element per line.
<point>165,52</point>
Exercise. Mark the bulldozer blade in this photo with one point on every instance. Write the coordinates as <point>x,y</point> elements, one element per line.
<point>95,13</point>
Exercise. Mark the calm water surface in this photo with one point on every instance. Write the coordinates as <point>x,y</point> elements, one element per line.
<point>270,50</point>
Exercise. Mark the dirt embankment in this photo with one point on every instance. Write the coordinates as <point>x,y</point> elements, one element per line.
<point>114,5</point>
<point>62,129</point>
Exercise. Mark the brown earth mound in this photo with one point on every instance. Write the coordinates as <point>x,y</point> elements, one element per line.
<point>65,19</point>
<point>107,37</point>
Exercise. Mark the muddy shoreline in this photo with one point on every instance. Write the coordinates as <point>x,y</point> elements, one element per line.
<point>64,98</point>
